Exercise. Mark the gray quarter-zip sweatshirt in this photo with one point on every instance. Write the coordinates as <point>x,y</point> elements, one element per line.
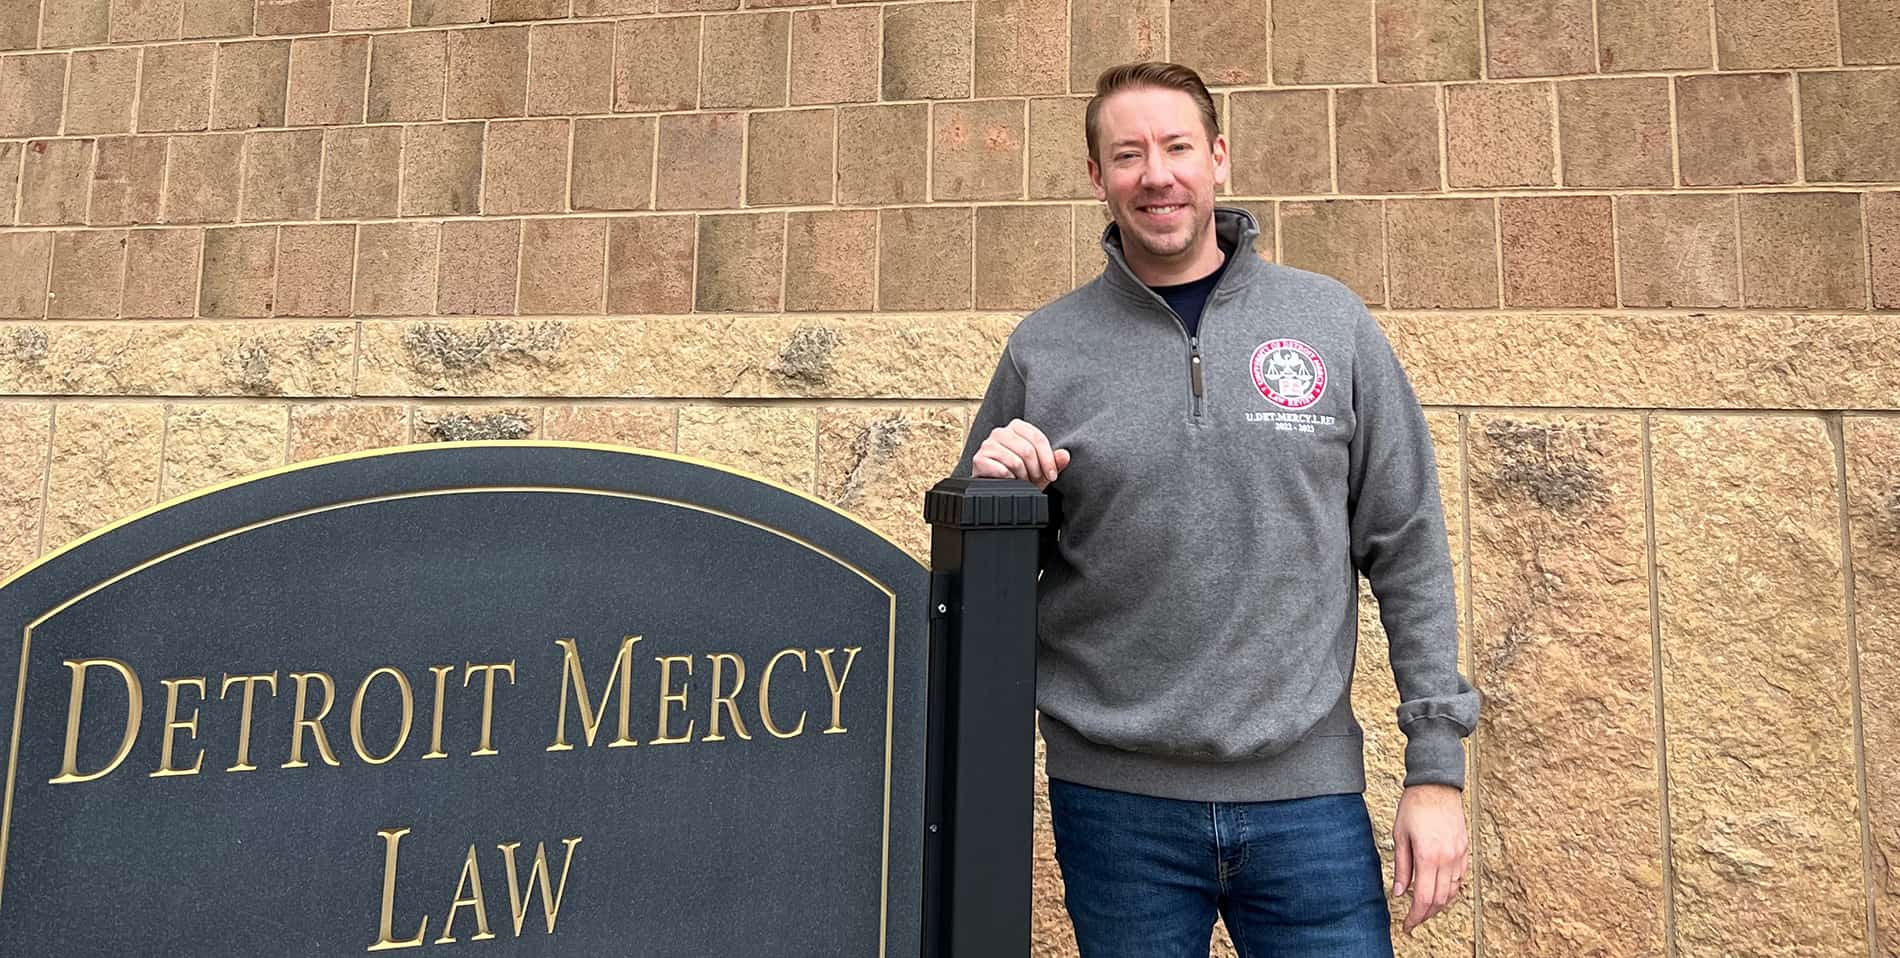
<point>1199,610</point>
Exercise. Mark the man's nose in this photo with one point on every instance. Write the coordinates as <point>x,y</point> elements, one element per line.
<point>1155,173</point>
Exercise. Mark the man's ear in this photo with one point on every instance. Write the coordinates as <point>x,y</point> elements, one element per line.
<point>1220,160</point>
<point>1095,180</point>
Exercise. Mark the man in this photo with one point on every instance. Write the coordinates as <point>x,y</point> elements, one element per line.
<point>1230,443</point>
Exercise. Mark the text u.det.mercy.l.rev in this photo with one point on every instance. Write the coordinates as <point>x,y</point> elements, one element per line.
<point>307,725</point>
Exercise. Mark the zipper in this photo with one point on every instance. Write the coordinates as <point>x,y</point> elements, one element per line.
<point>1194,369</point>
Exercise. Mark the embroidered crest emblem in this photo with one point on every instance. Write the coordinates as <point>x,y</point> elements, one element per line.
<point>1289,373</point>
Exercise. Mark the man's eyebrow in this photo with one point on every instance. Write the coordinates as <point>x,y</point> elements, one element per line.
<point>1135,140</point>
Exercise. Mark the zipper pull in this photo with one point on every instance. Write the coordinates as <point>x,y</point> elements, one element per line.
<point>1194,364</point>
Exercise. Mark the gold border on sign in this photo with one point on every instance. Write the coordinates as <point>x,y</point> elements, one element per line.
<point>6,809</point>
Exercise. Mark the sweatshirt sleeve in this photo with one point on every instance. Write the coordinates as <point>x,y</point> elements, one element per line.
<point>1398,542</point>
<point>1002,402</point>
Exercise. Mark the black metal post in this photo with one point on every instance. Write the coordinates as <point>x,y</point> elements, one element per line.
<point>980,763</point>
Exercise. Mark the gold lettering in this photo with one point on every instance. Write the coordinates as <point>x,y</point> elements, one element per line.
<point>667,698</point>
<point>314,724</point>
<point>488,697</point>
<point>134,708</point>
<point>836,682</point>
<point>471,876</point>
<point>738,726</point>
<point>356,715</point>
<point>441,690</point>
<point>591,719</point>
<point>386,938</point>
<point>244,720</point>
<point>518,899</point>
<point>165,769</point>
<point>765,696</point>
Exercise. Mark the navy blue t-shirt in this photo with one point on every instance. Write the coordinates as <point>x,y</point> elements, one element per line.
<point>1188,299</point>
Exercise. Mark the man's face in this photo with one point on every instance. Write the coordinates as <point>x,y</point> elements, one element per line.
<point>1157,171</point>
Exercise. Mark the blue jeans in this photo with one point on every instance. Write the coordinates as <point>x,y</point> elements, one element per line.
<point>1291,879</point>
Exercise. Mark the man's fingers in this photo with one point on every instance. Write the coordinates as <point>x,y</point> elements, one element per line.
<point>1424,890</point>
<point>1005,459</point>
<point>1025,451</point>
<point>1402,865</point>
<point>1062,459</point>
<point>1038,446</point>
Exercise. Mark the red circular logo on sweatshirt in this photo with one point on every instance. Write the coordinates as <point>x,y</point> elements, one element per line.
<point>1289,373</point>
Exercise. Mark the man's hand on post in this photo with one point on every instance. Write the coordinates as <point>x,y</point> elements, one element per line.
<point>1431,847</point>
<point>1019,451</point>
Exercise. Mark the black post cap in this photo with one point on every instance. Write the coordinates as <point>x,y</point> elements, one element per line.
<point>970,503</point>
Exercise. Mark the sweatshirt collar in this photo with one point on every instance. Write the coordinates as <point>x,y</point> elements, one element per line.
<point>1235,229</point>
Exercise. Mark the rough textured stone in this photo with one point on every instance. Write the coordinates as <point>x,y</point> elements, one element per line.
<point>789,158</point>
<point>314,266</point>
<point>1281,142</point>
<point>395,269</point>
<point>700,161</point>
<point>1883,240</point>
<point>429,13</point>
<point>101,90</point>
<point>68,23</point>
<point>184,359</point>
<point>1765,830</point>
<point>745,60</point>
<point>924,258</point>
<point>1442,253</point>
<point>1802,250</point>
<point>1322,41</point>
<point>883,154</point>
<point>1264,242</point>
<point>175,87</point>
<point>656,64</point>
<point>927,51</point>
<point>331,429</point>
<point>500,10</point>
<point>161,273</point>
<point>978,151</point>
<point>407,76</point>
<point>35,88</point>
<point>831,260</point>
<point>563,265</point>
<point>650,264</point>
<point>1653,35</point>
<point>1225,42</point>
<point>362,172</point>
<point>613,163</point>
<point>368,14</point>
<point>1528,38</point>
<point>128,179</point>
<point>480,260</point>
<point>571,69</point>
<point>292,16</point>
<point>442,169</point>
<point>1873,500</point>
<point>1561,648</point>
<point>1850,127</point>
<point>1615,132</point>
<point>88,270</point>
<point>105,464</point>
<point>1343,239</point>
<point>139,20</point>
<point>1764,34</point>
<point>1558,251</point>
<point>877,463</point>
<point>1735,130</point>
<point>466,423</point>
<point>1429,40</point>
<point>834,56</point>
<point>1022,256</point>
<point>24,259</point>
<point>1499,134</point>
<point>1058,151</point>
<point>25,441</point>
<point>741,262</point>
<point>53,181</point>
<point>524,167</point>
<point>488,72</point>
<point>727,357</point>
<point>199,185</point>
<point>1387,139</point>
<point>209,444</point>
<point>249,90</point>
<point>19,25</point>
<point>1022,47</point>
<point>327,79</point>
<point>635,427</point>
<point>1103,33</point>
<point>240,269</point>
<point>281,175</point>
<point>223,18</point>
<point>1870,31</point>
<point>1717,361</point>
<point>1678,251</point>
<point>776,442</point>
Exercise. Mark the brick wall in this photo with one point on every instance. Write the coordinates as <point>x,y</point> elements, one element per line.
<point>1641,257</point>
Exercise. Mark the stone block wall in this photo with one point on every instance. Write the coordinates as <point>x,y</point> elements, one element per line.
<point>1641,258</point>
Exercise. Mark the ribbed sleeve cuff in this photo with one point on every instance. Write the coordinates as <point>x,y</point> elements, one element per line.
<point>1434,753</point>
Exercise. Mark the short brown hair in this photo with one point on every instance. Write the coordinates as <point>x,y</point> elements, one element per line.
<point>1151,73</point>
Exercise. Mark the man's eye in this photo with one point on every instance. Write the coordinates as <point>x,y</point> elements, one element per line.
<point>1178,147</point>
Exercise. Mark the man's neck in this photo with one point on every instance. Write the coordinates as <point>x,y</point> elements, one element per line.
<point>1196,262</point>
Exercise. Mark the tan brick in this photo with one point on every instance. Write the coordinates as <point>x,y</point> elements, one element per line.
<point>12,155</point>
<point>488,72</point>
<point>1850,126</point>
<point>1282,142</point>
<point>251,78</point>
<point>563,265</point>
<point>1322,41</point>
<point>877,463</point>
<point>128,177</point>
<point>1678,251</point>
<point>1614,132</point>
<point>613,8</point>
<point>1528,38</point>
<point>240,269</point>
<point>741,263</point>
<point>463,423</point>
<point>1263,214</point>
<point>1021,47</point>
<point>745,60</point>
<point>831,260</point>
<point>1387,139</point>
<point>1653,35</point>
<point>1058,150</point>
<point>1226,43</point>
<point>434,13</point>
<point>834,56</point>
<point>25,441</point>
<point>1558,251</point>
<point>368,14</point>
<point>220,18</point>
<point>88,270</point>
<point>35,90</point>
<point>19,25</point>
<point>613,163</point>
<point>101,90</point>
<point>293,16</point>
<point>442,169</point>
<point>1883,240</point>
<point>24,259</point>
<point>1735,129</point>
<point>395,269</point>
<point>140,20</point>
<point>199,187</point>
<point>632,427</point>
<point>209,444</point>
<point>924,258</point>
<point>524,167</point>
<point>789,157</point>
<point>1090,220</point>
<point>500,10</point>
<point>1765,34</point>
<point>928,51</point>
<point>1441,253</point>
<point>161,273</point>
<point>678,6</point>
<point>1870,31</point>
<point>978,151</point>
<point>776,442</point>
<point>571,69</point>
<point>650,264</point>
<point>1873,495</point>
<point>1429,40</point>
<point>408,73</point>
<point>480,261</point>
<point>362,167</point>
<point>327,79</point>
<point>126,358</point>
<point>1103,33</point>
<point>70,23</point>
<point>282,174</point>
<point>883,154</point>
<point>333,429</point>
<point>1022,256</point>
<point>1499,135</point>
<point>314,265</point>
<point>53,181</point>
<point>700,159</point>
<point>1343,239</point>
<point>105,464</point>
<point>1802,250</point>
<point>656,64</point>
<point>175,87</point>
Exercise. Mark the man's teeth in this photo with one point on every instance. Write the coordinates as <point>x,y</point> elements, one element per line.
<point>1162,209</point>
